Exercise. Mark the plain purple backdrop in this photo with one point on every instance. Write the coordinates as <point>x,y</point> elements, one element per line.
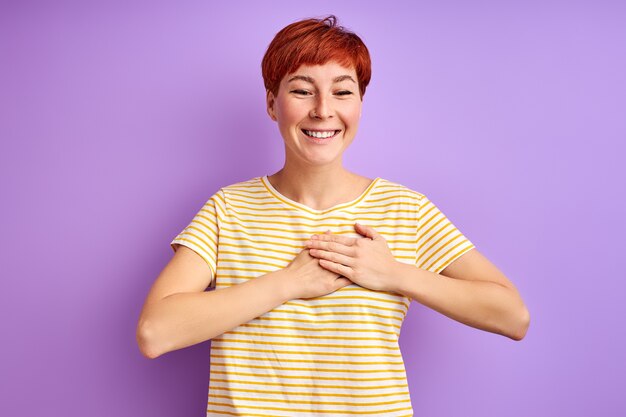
<point>119,119</point>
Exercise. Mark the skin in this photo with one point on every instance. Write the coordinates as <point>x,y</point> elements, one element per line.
<point>313,174</point>
<point>471,290</point>
<point>178,312</point>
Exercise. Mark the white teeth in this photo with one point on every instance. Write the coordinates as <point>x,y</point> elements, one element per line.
<point>320,134</point>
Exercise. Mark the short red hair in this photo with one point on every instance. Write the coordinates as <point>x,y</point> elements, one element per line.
<point>314,42</point>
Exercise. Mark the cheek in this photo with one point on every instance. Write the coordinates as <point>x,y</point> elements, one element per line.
<point>290,113</point>
<point>354,117</point>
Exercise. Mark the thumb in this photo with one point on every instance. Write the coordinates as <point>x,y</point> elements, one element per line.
<point>367,231</point>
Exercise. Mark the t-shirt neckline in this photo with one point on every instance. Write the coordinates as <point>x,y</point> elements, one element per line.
<point>302,207</point>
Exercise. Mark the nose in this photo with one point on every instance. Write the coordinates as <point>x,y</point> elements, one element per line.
<point>322,109</point>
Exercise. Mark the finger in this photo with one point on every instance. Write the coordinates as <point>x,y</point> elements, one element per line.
<point>348,241</point>
<point>332,256</point>
<point>367,231</point>
<point>326,233</point>
<point>332,247</point>
<point>346,271</point>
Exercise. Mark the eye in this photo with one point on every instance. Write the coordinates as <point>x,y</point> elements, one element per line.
<point>344,93</point>
<point>304,92</point>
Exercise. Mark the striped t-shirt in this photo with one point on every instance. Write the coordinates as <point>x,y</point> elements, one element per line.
<point>334,355</point>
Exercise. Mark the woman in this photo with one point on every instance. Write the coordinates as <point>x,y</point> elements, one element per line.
<point>315,266</point>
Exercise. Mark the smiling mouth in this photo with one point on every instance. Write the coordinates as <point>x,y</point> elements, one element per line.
<point>324,134</point>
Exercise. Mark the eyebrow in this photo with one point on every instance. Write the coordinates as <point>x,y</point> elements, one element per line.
<point>310,79</point>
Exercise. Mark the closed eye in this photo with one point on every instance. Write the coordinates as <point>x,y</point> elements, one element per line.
<point>340,93</point>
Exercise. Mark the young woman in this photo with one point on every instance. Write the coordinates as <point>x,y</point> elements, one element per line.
<point>315,266</point>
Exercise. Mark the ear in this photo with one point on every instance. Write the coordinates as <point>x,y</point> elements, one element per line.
<point>270,105</point>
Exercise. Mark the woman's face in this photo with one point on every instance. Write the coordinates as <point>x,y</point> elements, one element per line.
<point>320,98</point>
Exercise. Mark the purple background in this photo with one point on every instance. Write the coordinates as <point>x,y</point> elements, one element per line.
<point>119,120</point>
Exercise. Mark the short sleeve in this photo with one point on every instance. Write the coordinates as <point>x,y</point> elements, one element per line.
<point>439,242</point>
<point>202,233</point>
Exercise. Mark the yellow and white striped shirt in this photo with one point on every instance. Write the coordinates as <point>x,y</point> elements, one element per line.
<point>334,355</point>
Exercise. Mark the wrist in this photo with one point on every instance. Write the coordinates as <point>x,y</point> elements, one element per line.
<point>283,284</point>
<point>401,273</point>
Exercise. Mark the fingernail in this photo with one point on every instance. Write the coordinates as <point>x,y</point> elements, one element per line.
<point>314,237</point>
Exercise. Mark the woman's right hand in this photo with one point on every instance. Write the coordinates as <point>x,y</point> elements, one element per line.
<point>310,280</point>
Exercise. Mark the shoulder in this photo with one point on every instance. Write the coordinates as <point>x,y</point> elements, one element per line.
<point>249,191</point>
<point>399,191</point>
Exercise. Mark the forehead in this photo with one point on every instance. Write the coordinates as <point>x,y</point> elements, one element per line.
<point>330,71</point>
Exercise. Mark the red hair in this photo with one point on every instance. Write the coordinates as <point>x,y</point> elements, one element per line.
<point>314,42</point>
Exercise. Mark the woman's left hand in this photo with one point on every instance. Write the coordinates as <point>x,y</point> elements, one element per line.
<point>367,261</point>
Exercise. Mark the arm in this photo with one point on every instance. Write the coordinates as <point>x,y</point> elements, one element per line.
<point>178,313</point>
<point>470,290</point>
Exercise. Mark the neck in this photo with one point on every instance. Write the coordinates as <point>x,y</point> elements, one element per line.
<point>319,187</point>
